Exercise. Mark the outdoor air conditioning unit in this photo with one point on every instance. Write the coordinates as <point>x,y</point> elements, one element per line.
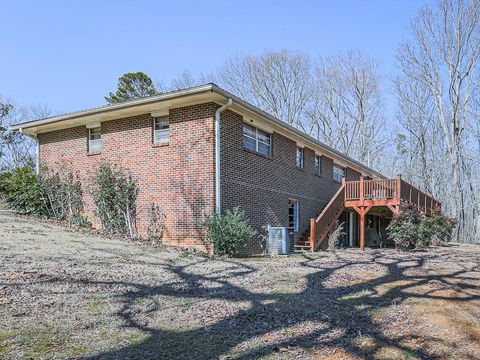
<point>279,241</point>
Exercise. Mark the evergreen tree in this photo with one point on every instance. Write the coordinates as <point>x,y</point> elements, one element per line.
<point>132,86</point>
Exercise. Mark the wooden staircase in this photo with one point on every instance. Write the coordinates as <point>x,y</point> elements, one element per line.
<point>303,242</point>
<point>321,227</point>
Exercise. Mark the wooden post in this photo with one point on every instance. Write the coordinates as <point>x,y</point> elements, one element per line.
<point>399,188</point>
<point>312,235</point>
<point>362,195</point>
<point>410,195</point>
<point>418,200</point>
<point>362,229</point>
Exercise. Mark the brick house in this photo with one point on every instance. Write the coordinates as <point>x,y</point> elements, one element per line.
<point>201,150</point>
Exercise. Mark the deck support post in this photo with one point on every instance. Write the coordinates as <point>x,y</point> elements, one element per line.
<point>362,211</point>
<point>362,231</point>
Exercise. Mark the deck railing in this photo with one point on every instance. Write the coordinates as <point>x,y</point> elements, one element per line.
<point>411,195</point>
<point>390,189</point>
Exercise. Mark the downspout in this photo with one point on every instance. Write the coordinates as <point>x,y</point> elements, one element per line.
<point>218,207</point>
<point>37,151</point>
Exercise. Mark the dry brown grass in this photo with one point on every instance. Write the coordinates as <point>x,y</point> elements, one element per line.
<point>69,295</point>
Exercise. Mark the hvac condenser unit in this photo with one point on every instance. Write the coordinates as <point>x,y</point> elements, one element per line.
<point>278,241</point>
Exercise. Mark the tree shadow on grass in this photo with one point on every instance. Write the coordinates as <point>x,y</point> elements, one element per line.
<point>319,316</point>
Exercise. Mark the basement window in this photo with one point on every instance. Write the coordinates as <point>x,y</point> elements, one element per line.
<point>257,140</point>
<point>161,131</point>
<point>94,140</point>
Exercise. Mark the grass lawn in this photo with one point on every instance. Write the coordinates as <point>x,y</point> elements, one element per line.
<point>65,294</point>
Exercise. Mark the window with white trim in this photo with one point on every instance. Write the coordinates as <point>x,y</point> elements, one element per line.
<point>257,140</point>
<point>300,158</point>
<point>293,214</point>
<point>338,173</point>
<point>318,165</point>
<point>161,130</point>
<point>94,140</point>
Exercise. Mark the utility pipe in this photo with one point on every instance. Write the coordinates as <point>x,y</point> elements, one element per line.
<point>229,103</point>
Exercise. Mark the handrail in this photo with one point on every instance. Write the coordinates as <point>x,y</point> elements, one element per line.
<point>320,226</point>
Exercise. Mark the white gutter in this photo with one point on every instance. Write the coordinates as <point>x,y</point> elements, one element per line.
<point>37,151</point>
<point>218,207</point>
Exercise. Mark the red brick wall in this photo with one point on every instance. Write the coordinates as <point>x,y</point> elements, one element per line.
<point>261,186</point>
<point>178,177</point>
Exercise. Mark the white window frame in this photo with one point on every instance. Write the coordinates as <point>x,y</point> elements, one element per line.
<point>295,204</point>
<point>161,136</point>
<point>300,157</point>
<point>94,145</point>
<point>257,139</point>
<point>336,173</point>
<point>318,165</point>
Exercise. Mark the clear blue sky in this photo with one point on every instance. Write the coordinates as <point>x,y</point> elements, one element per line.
<point>69,54</point>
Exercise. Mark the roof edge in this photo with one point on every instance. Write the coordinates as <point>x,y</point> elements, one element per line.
<point>107,108</point>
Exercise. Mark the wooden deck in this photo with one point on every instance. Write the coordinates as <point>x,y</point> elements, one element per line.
<point>363,195</point>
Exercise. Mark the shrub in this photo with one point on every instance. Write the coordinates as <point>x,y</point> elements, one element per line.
<point>336,237</point>
<point>23,193</point>
<point>115,196</point>
<point>404,228</point>
<point>81,221</point>
<point>228,232</point>
<point>63,194</point>
<point>437,229</point>
<point>51,195</point>
<point>156,223</point>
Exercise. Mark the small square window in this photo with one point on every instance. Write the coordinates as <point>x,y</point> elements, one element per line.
<point>94,140</point>
<point>300,160</point>
<point>161,131</point>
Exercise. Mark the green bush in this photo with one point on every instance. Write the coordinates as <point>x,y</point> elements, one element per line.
<point>81,221</point>
<point>49,195</point>
<point>436,229</point>
<point>22,192</point>
<point>115,195</point>
<point>228,232</point>
<point>410,229</point>
<point>404,228</point>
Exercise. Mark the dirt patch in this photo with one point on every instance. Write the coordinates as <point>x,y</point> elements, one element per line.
<point>65,294</point>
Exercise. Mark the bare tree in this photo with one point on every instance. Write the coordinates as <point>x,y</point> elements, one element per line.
<point>346,110</point>
<point>278,82</point>
<point>17,150</point>
<point>442,57</point>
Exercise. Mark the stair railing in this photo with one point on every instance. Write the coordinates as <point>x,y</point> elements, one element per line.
<point>320,227</point>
